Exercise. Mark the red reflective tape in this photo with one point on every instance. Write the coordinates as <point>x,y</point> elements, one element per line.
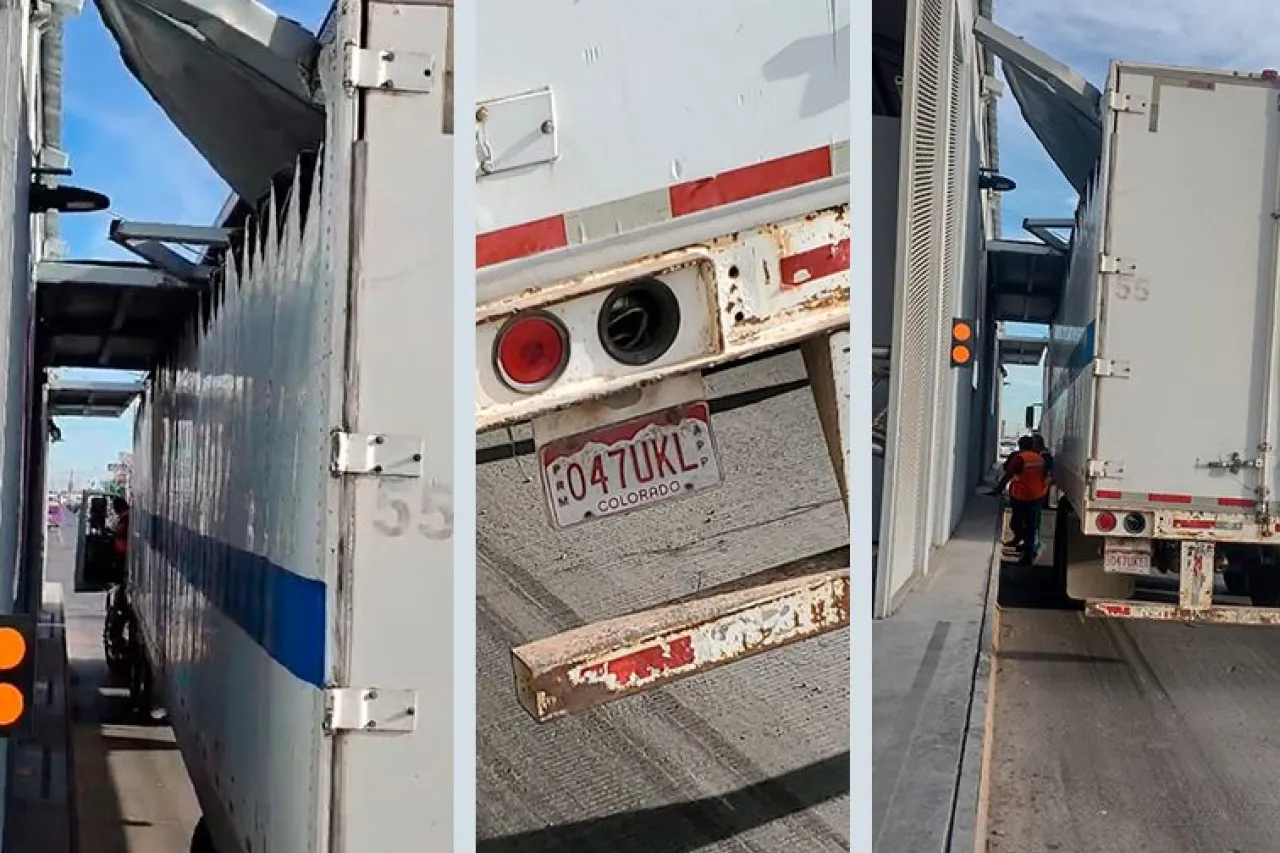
<point>1117,609</point>
<point>521,241</point>
<point>1195,523</point>
<point>797,270</point>
<point>1110,495</point>
<point>644,663</point>
<point>1169,499</point>
<point>1249,503</point>
<point>751,181</point>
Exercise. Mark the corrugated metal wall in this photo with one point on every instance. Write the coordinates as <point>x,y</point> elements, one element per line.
<point>929,464</point>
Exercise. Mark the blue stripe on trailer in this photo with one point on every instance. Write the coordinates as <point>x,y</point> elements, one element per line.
<point>282,611</point>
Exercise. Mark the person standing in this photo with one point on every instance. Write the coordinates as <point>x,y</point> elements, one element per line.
<point>1028,476</point>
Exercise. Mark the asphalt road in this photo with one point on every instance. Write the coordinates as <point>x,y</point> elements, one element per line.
<point>1130,737</point>
<point>751,758</point>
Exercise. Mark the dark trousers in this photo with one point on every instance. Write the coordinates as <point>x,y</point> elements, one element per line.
<point>1024,521</point>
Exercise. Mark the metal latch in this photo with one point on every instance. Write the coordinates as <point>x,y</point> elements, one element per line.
<point>370,709</point>
<point>390,70</point>
<point>1121,103</point>
<point>1235,462</point>
<point>383,455</point>
<point>1098,469</point>
<point>1109,265</point>
<point>1110,368</point>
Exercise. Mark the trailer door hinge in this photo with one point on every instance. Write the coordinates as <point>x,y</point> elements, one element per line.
<point>1111,265</point>
<point>1119,102</point>
<point>370,709</point>
<point>378,454</point>
<point>1110,368</point>
<point>1098,469</point>
<point>389,70</point>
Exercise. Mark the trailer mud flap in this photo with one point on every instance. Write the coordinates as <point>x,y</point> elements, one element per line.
<point>616,658</point>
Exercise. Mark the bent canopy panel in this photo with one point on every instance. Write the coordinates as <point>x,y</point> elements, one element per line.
<point>1062,108</point>
<point>233,77</point>
<point>87,399</point>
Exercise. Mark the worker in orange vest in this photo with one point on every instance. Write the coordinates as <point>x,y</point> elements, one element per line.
<point>120,535</point>
<point>1028,473</point>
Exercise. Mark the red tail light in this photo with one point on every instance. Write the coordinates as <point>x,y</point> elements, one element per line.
<point>1106,521</point>
<point>531,352</point>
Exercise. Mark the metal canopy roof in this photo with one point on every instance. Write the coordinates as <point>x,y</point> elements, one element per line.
<point>1026,280</point>
<point>86,399</point>
<point>233,76</point>
<point>1062,108</point>
<point>1021,351</point>
<point>108,314</point>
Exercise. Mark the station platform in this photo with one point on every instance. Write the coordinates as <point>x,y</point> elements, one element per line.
<point>932,671</point>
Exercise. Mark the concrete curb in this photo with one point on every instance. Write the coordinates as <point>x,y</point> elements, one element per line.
<point>969,826</point>
<point>990,655</point>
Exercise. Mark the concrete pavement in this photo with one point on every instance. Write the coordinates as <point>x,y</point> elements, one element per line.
<point>1131,737</point>
<point>931,668</point>
<point>752,757</point>
<point>129,791</point>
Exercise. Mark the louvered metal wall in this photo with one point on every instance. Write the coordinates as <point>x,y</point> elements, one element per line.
<point>918,510</point>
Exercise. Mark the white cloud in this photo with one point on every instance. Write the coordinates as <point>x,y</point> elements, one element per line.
<point>1241,34</point>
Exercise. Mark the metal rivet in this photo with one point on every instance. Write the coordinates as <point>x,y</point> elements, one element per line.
<point>482,114</point>
<point>548,126</point>
<point>417,457</point>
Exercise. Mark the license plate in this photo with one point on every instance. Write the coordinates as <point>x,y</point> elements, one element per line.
<point>640,463</point>
<point>1128,559</point>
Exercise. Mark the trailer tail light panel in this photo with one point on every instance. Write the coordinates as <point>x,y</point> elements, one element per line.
<point>670,313</point>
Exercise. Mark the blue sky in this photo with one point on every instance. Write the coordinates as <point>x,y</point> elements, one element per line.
<point>122,144</point>
<point>1087,35</point>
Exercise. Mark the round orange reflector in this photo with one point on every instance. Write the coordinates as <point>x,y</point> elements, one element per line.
<point>13,648</point>
<point>960,354</point>
<point>961,332</point>
<point>12,703</point>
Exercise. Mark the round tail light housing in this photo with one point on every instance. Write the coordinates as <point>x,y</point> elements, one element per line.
<point>639,322</point>
<point>531,351</point>
<point>1105,522</point>
<point>1135,523</point>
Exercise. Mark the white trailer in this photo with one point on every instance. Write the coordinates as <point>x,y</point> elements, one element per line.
<point>1161,378</point>
<point>292,519</point>
<point>655,201</point>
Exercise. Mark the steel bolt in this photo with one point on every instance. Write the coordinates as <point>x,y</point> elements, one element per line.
<point>548,127</point>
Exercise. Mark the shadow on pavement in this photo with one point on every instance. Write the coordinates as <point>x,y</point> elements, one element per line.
<point>690,826</point>
<point>1032,588</point>
<point>99,813</point>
